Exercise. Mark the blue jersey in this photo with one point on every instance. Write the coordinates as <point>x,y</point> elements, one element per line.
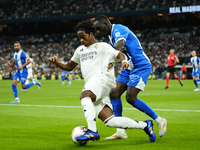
<point>64,72</point>
<point>195,61</point>
<point>133,49</point>
<point>20,59</point>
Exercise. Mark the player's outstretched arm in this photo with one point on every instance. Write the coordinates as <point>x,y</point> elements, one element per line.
<point>124,61</point>
<point>68,67</point>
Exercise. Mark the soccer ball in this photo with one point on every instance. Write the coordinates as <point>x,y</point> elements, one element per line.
<point>76,132</point>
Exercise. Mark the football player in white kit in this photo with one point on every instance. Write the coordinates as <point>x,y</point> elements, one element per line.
<point>94,58</point>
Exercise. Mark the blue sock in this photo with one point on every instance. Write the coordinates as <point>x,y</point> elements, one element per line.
<point>62,78</point>
<point>67,79</point>
<point>142,106</point>
<point>195,83</point>
<point>198,80</point>
<point>117,107</point>
<point>14,88</point>
<point>28,85</point>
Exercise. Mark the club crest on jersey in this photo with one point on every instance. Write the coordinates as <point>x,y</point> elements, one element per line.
<point>96,46</point>
<point>117,34</point>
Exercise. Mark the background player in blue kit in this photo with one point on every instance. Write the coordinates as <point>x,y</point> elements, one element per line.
<point>21,60</point>
<point>133,80</point>
<point>64,74</point>
<point>195,61</point>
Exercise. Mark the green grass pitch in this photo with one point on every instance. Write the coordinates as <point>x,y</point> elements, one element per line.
<point>45,118</point>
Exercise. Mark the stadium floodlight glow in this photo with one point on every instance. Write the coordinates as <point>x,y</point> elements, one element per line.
<point>184,9</point>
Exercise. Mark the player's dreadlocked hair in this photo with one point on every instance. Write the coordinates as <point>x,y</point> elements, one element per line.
<point>86,26</point>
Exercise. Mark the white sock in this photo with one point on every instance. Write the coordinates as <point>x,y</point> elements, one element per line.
<point>34,82</point>
<point>121,130</point>
<point>17,98</point>
<point>89,112</point>
<point>158,120</point>
<point>27,82</point>
<point>125,123</point>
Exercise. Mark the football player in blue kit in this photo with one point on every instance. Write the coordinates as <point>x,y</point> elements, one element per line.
<point>21,60</point>
<point>64,74</point>
<point>133,79</point>
<point>195,61</point>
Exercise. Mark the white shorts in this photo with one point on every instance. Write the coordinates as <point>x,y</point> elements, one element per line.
<point>99,87</point>
<point>30,73</point>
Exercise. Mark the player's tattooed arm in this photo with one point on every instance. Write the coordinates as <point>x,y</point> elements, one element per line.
<point>68,67</point>
<point>120,45</point>
<point>124,61</point>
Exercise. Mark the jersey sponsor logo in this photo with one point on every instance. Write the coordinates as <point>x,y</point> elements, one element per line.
<point>87,56</point>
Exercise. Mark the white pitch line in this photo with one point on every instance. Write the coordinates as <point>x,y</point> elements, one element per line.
<point>27,105</point>
<point>39,98</point>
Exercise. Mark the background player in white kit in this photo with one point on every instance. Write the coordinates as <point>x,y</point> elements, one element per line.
<point>30,71</point>
<point>94,59</point>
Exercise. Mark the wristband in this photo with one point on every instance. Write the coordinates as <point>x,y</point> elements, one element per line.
<point>124,61</point>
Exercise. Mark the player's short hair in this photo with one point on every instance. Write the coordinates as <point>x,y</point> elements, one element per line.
<point>102,18</point>
<point>86,26</point>
<point>16,42</point>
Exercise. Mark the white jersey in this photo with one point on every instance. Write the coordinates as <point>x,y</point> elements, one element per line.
<point>94,61</point>
<point>30,64</point>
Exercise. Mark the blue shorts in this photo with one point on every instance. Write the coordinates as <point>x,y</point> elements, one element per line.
<point>64,73</point>
<point>137,77</point>
<point>123,77</point>
<point>22,76</point>
<point>196,74</point>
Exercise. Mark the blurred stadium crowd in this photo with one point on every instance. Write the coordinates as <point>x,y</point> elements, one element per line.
<point>157,36</point>
<point>41,47</point>
<point>11,9</point>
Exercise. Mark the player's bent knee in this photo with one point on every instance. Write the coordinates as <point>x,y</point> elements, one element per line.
<point>114,94</point>
<point>88,94</point>
<point>108,122</point>
<point>131,100</point>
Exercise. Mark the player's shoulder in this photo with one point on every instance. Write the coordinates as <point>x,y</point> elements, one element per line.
<point>119,28</point>
<point>104,44</point>
<point>80,48</point>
